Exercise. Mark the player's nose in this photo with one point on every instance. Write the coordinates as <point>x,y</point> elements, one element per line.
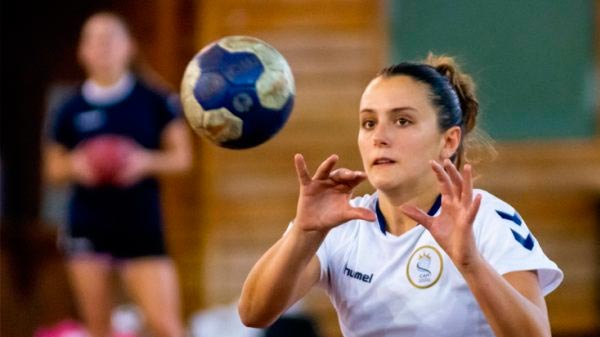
<point>380,135</point>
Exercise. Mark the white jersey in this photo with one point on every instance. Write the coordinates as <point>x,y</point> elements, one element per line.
<point>388,286</point>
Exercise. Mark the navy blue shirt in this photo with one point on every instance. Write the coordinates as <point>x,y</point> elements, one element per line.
<point>142,116</point>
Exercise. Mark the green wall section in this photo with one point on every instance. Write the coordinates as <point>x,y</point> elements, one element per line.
<point>532,59</point>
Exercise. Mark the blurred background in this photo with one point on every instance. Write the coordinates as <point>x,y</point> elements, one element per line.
<point>537,63</point>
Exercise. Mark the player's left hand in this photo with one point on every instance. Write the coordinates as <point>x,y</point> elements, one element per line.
<point>453,227</point>
<point>135,169</point>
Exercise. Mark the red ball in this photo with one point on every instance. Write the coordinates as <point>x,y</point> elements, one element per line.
<point>107,155</point>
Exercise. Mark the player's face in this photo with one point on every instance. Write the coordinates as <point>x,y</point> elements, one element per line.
<point>105,48</point>
<point>399,134</point>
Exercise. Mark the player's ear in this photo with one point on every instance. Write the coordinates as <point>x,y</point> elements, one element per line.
<point>450,142</point>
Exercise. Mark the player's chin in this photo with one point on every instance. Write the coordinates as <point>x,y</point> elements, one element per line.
<point>382,182</point>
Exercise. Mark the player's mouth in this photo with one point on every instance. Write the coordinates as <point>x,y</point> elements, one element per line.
<point>383,161</point>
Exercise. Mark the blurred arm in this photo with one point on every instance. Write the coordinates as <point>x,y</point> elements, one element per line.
<point>175,155</point>
<point>57,166</point>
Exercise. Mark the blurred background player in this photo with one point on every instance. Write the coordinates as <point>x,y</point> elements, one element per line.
<point>110,140</point>
<point>467,267</point>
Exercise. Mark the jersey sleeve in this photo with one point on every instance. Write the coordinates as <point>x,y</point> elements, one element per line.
<point>506,242</point>
<point>58,124</point>
<point>60,127</point>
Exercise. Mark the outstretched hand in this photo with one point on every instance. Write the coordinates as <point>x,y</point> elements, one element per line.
<point>453,227</point>
<point>324,198</point>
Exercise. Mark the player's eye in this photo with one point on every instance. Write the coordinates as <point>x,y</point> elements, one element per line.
<point>368,124</point>
<point>403,121</point>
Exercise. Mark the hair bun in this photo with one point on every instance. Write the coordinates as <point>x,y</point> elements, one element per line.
<point>463,85</point>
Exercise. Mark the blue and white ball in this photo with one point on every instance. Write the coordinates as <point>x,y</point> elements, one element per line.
<point>238,92</point>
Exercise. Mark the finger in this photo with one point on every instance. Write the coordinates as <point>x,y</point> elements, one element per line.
<point>351,184</point>
<point>301,169</point>
<point>467,189</point>
<point>325,168</point>
<point>457,180</point>
<point>343,175</point>
<point>360,214</point>
<point>443,179</point>
<point>418,215</point>
<point>472,213</point>
<point>348,178</point>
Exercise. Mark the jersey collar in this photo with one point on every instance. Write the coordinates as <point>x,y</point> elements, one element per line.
<point>383,224</point>
<point>99,95</point>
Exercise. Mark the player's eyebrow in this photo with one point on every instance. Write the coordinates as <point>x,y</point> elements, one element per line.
<point>393,110</point>
<point>367,111</point>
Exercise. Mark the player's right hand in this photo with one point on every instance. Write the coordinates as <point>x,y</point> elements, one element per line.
<point>324,198</point>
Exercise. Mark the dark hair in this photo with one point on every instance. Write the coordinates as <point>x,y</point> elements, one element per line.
<point>452,93</point>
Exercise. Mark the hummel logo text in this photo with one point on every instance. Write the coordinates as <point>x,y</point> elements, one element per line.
<point>358,275</point>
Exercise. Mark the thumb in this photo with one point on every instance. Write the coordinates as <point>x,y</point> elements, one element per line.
<point>418,215</point>
<point>360,214</point>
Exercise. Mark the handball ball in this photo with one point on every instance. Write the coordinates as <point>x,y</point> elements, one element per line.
<point>237,92</point>
<point>107,155</point>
